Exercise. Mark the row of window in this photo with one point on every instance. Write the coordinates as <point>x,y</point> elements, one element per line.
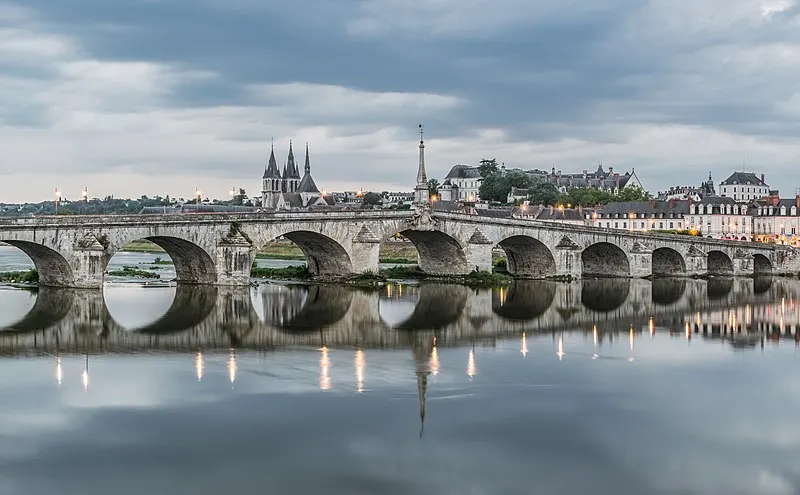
<point>722,209</point>
<point>641,225</point>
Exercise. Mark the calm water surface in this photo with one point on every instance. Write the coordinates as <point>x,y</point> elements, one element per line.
<point>603,387</point>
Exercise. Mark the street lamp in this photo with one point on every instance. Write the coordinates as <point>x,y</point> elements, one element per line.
<point>58,199</point>
<point>85,194</point>
<point>197,202</point>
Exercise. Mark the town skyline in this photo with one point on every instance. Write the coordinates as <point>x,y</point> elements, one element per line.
<point>109,97</point>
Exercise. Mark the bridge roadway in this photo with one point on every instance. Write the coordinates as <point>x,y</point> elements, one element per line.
<point>65,321</point>
<point>74,251</point>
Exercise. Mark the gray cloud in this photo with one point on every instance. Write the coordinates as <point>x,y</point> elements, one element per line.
<point>110,93</point>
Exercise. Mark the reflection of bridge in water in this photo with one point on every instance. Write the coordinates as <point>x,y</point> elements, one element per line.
<point>207,317</point>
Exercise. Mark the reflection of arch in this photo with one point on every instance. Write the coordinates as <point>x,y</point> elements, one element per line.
<point>761,264</point>
<point>667,261</point>
<point>193,264</point>
<point>528,257</point>
<point>666,291</point>
<point>605,260</point>
<point>51,306</point>
<point>524,300</point>
<point>719,263</point>
<point>438,306</point>
<point>305,308</point>
<point>324,256</point>
<point>54,271</point>
<point>190,307</point>
<point>719,287</point>
<point>438,252</point>
<point>604,295</point>
<point>761,284</point>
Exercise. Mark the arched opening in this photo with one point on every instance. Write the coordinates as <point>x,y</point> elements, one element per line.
<point>23,311</point>
<point>439,253</point>
<point>668,263</point>
<point>159,310</point>
<point>53,268</point>
<point>605,260</point>
<point>427,307</point>
<point>162,258</point>
<point>719,263</point>
<point>761,265</point>
<point>527,257</point>
<point>762,284</point>
<point>666,291</point>
<point>604,295</point>
<point>524,300</point>
<point>397,250</point>
<point>323,255</point>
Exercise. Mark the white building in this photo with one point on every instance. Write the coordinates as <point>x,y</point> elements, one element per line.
<point>721,218</point>
<point>744,187</point>
<point>642,215</point>
<point>778,220</point>
<point>468,181</point>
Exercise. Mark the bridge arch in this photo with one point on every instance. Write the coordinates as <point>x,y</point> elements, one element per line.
<point>324,255</point>
<point>719,263</point>
<point>761,264</point>
<point>193,264</point>
<point>528,257</point>
<point>604,259</point>
<point>439,253</point>
<point>54,270</point>
<point>191,305</point>
<point>50,307</point>
<point>524,300</point>
<point>668,262</point>
<point>435,306</point>
<point>303,308</point>
<point>604,296</point>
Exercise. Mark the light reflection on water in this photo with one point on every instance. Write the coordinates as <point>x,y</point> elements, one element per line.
<point>658,387</point>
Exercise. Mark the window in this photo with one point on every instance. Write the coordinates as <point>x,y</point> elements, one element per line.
<point>670,225</point>
<point>616,225</point>
<point>624,225</point>
<point>660,225</point>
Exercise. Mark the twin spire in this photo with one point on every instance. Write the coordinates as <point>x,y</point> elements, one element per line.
<point>290,170</point>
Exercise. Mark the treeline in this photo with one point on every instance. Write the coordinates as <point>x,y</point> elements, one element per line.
<point>496,185</point>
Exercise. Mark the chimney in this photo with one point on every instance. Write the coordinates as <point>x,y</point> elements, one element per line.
<point>671,202</point>
<point>653,204</point>
<point>585,172</point>
<point>797,201</point>
<point>762,177</point>
<point>611,170</point>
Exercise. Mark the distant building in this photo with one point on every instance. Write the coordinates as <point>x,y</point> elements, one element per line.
<point>599,179</point>
<point>466,180</point>
<point>391,199</point>
<point>721,218</point>
<point>287,190</point>
<point>744,187</point>
<point>693,193</point>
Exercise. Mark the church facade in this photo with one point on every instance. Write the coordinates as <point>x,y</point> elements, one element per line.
<point>288,190</point>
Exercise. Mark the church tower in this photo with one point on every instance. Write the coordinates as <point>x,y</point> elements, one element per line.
<point>292,174</point>
<point>270,182</point>
<point>421,194</point>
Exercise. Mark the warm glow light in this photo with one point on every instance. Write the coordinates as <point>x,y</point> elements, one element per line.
<point>503,295</point>
<point>688,331</point>
<point>594,335</point>
<point>324,193</point>
<point>199,366</point>
<point>85,379</point>
<point>434,198</point>
<point>524,347</point>
<point>360,363</point>
<point>85,193</point>
<point>434,360</point>
<point>472,370</point>
<point>232,366</point>
<point>631,339</point>
<point>652,327</point>
<point>233,192</point>
<point>560,353</point>
<point>59,371</point>
<point>324,364</point>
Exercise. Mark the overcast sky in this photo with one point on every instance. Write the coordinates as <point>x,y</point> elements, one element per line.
<point>132,97</point>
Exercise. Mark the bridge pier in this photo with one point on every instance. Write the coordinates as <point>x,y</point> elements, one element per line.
<point>365,251</point>
<point>567,255</point>
<point>743,264</point>
<point>479,256</point>
<point>641,264</point>
<point>235,257</point>
<point>88,262</point>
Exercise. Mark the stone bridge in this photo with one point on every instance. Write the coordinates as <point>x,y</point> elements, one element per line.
<point>204,317</point>
<point>74,251</point>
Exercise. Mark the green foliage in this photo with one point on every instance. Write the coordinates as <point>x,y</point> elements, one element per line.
<point>21,277</point>
<point>401,272</point>
<point>371,199</point>
<point>487,279</point>
<point>433,187</point>
<point>496,183</point>
<point>587,196</point>
<point>159,261</point>
<point>297,272</point>
<point>500,265</point>
<point>634,193</point>
<point>544,193</point>
<point>133,272</point>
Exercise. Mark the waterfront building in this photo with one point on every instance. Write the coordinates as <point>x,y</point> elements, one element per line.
<point>641,215</point>
<point>777,220</point>
<point>609,181</point>
<point>721,217</point>
<point>692,193</point>
<point>744,187</point>
<point>465,181</point>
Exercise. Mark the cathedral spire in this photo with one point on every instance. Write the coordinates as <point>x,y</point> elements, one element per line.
<point>271,169</point>
<point>308,162</point>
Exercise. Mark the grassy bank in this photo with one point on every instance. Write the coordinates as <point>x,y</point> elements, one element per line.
<point>474,279</point>
<point>21,277</point>
<point>132,272</point>
<point>390,252</point>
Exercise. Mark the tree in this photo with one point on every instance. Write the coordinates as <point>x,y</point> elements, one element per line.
<point>488,167</point>
<point>433,187</point>
<point>544,193</point>
<point>496,184</point>
<point>371,199</point>
<point>634,193</point>
<point>238,199</point>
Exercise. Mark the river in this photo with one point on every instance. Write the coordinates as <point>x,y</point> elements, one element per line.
<point>601,387</point>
